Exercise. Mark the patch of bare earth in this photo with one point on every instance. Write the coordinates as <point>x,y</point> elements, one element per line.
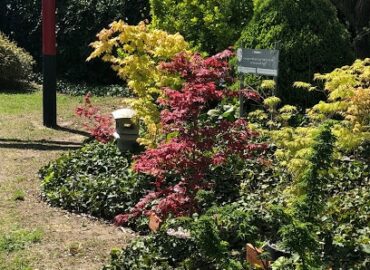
<point>69,241</point>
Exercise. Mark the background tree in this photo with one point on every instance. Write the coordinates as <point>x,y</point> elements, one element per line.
<point>356,14</point>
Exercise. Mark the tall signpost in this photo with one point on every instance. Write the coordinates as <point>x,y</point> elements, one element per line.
<point>256,61</point>
<point>49,63</point>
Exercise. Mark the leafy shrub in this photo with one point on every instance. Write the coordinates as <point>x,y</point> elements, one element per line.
<point>310,39</point>
<point>307,199</point>
<point>210,25</point>
<point>348,91</point>
<point>78,21</point>
<point>345,219</point>
<point>95,179</point>
<point>21,21</point>
<point>347,105</point>
<point>15,62</point>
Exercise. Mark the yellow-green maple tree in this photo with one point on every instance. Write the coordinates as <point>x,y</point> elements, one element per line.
<point>135,52</point>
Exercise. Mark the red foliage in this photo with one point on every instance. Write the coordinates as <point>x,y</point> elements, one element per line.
<point>99,126</point>
<point>180,165</point>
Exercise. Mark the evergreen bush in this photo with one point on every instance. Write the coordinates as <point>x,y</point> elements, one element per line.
<point>15,62</point>
<point>310,38</point>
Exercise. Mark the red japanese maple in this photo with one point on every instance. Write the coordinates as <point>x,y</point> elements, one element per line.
<point>100,126</point>
<point>180,165</point>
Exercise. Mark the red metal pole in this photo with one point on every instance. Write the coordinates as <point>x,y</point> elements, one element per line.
<point>49,62</point>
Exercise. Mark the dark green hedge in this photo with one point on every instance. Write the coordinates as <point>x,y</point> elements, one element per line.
<point>310,38</point>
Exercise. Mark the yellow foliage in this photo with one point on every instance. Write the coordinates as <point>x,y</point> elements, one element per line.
<point>272,102</point>
<point>358,112</point>
<point>287,112</point>
<point>347,105</point>
<point>268,84</point>
<point>134,53</point>
<point>304,85</point>
<point>348,91</point>
<point>295,146</point>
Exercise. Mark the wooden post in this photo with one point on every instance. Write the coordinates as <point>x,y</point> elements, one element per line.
<point>49,63</point>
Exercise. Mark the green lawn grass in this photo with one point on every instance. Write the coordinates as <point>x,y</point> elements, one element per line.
<point>15,104</point>
<point>21,114</point>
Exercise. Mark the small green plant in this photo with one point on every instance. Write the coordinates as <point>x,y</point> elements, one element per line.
<point>18,239</point>
<point>17,262</point>
<point>19,195</point>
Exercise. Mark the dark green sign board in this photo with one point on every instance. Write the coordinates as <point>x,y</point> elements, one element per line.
<point>257,61</point>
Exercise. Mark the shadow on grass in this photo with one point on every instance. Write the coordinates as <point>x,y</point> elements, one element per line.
<point>74,131</point>
<point>21,87</point>
<point>41,145</point>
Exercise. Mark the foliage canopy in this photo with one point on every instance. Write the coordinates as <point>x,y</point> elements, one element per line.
<point>210,25</point>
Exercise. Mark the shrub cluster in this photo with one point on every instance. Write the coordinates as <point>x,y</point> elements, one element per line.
<point>262,216</point>
<point>95,179</point>
<point>208,181</point>
<point>15,63</point>
<point>293,204</point>
<point>212,186</point>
